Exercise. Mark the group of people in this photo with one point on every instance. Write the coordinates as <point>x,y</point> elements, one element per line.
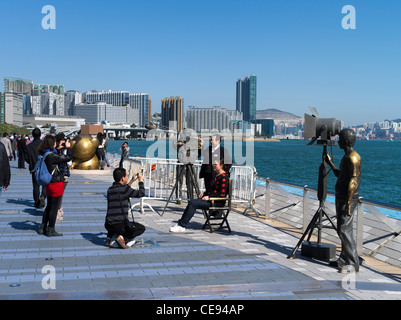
<point>215,172</point>
<point>57,161</point>
<point>16,145</point>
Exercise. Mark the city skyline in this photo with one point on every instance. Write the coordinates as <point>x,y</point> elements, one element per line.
<point>299,52</point>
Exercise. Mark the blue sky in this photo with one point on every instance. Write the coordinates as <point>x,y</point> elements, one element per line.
<point>298,50</point>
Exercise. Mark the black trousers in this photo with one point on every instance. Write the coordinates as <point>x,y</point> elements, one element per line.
<point>128,230</point>
<point>21,160</point>
<point>50,213</point>
<point>36,191</point>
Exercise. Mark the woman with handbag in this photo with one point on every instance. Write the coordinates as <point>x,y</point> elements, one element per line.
<point>55,188</point>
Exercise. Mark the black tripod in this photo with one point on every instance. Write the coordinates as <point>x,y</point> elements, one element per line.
<point>192,183</point>
<point>317,249</point>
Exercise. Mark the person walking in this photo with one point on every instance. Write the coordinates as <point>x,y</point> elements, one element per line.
<point>7,143</point>
<point>55,188</point>
<point>21,145</point>
<point>124,153</point>
<point>31,157</point>
<point>5,173</point>
<point>14,147</point>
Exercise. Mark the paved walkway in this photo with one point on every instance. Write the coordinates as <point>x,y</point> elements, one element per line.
<point>249,263</point>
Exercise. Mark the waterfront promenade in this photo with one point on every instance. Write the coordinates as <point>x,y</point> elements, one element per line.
<point>249,263</point>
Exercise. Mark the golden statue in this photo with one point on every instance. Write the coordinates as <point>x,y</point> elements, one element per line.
<point>347,195</point>
<point>84,151</point>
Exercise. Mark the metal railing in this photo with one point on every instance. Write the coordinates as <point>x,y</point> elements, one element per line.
<point>305,195</point>
<point>160,177</point>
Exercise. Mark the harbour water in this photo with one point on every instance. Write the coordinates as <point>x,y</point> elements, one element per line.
<point>293,161</point>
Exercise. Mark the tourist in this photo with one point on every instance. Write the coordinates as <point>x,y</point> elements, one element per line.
<point>210,155</point>
<point>21,145</point>
<point>218,189</point>
<point>64,168</point>
<point>100,151</point>
<point>5,173</point>
<point>54,190</point>
<point>7,143</point>
<point>124,154</point>
<point>14,140</point>
<point>117,223</point>
<point>31,157</point>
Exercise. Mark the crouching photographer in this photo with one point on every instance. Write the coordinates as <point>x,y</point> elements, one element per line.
<point>120,229</point>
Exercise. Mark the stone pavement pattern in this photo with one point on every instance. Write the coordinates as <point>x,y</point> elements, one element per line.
<point>249,263</point>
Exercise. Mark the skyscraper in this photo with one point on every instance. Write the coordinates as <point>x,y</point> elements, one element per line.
<point>173,110</point>
<point>246,97</point>
<point>141,102</point>
<point>16,85</point>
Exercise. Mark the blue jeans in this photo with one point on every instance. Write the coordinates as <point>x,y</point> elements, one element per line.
<point>190,210</point>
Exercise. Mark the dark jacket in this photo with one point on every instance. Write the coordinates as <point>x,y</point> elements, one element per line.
<point>209,157</point>
<point>21,145</point>
<point>5,173</point>
<point>31,154</point>
<point>63,166</point>
<point>52,162</point>
<point>118,202</point>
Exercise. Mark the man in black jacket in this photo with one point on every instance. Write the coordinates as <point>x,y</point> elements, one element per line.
<point>31,157</point>
<point>5,173</point>
<point>214,152</point>
<point>118,195</point>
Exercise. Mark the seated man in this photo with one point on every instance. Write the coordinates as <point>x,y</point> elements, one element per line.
<point>118,195</point>
<point>219,189</point>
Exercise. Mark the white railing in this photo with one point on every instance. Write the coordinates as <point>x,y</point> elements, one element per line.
<point>305,197</point>
<point>160,177</point>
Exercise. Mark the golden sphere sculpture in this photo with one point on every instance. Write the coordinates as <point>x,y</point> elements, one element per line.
<point>84,153</point>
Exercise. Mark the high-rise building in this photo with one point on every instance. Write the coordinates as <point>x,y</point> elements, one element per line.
<point>97,112</point>
<point>173,110</point>
<point>71,98</point>
<point>141,102</point>
<point>52,104</point>
<point>16,85</point>
<point>246,97</point>
<point>38,89</point>
<point>13,105</point>
<point>215,118</point>
<point>115,98</point>
<point>2,106</point>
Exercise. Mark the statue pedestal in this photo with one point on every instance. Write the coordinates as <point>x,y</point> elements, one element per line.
<point>322,251</point>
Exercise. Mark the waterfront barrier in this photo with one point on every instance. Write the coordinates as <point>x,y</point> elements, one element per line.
<point>374,225</point>
<point>160,177</point>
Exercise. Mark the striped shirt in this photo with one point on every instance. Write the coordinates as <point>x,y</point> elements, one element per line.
<point>118,201</point>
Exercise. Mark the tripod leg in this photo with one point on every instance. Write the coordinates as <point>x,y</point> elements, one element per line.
<point>308,229</point>
<point>194,183</point>
<point>331,221</point>
<point>175,188</point>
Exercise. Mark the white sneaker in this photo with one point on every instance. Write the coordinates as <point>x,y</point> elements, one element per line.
<point>131,243</point>
<point>177,229</point>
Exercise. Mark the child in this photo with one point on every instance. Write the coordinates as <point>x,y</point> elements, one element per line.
<point>117,223</point>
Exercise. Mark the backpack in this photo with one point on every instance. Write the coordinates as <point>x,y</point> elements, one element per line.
<point>42,174</point>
